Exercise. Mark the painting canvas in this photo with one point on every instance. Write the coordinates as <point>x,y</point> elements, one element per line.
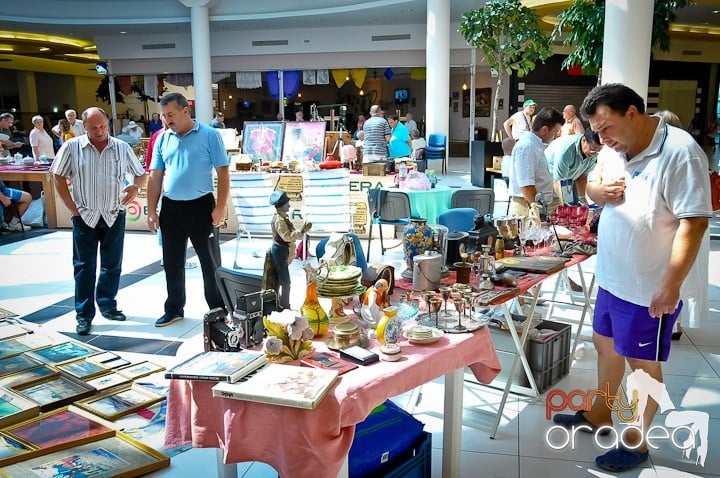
<point>110,380</point>
<point>117,455</point>
<point>83,369</point>
<point>12,447</point>
<point>483,102</point>
<point>140,370</point>
<point>58,428</point>
<point>12,347</point>
<point>119,403</point>
<point>263,140</point>
<point>14,408</point>
<point>28,375</point>
<point>54,392</point>
<point>304,141</point>
<point>16,363</point>
<point>64,352</point>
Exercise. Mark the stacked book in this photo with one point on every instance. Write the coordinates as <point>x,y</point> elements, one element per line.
<point>218,366</point>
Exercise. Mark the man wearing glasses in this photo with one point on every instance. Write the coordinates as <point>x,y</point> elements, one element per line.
<point>570,159</point>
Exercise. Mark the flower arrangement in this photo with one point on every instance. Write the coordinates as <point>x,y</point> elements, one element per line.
<point>289,337</point>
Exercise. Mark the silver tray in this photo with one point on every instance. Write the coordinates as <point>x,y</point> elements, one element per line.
<point>446,323</point>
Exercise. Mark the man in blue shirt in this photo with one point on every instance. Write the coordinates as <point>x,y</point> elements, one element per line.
<point>181,169</point>
<point>570,159</point>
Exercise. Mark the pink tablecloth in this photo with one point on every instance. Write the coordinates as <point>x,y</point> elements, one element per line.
<point>315,443</point>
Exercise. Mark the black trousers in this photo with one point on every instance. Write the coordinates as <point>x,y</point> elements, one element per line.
<point>180,221</point>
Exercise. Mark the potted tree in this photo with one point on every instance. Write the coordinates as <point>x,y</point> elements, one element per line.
<point>509,36</point>
<point>584,25</point>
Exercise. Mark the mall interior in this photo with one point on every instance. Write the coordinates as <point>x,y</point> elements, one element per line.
<point>225,56</point>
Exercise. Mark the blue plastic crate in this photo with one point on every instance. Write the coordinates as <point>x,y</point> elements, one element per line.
<point>417,465</point>
<point>385,439</point>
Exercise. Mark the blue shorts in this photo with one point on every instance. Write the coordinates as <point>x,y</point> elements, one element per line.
<point>13,194</point>
<point>635,333</point>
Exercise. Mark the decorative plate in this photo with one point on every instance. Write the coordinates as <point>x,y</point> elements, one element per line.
<point>421,335</point>
<point>407,310</point>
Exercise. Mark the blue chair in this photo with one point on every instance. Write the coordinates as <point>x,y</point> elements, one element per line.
<point>461,219</point>
<point>359,253</point>
<point>436,149</point>
<point>387,207</point>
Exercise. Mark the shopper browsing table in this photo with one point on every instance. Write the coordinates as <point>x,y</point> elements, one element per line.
<point>181,171</point>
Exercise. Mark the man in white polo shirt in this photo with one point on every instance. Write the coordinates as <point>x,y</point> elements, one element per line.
<point>653,183</point>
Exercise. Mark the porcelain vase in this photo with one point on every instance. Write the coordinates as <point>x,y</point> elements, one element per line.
<point>418,238</point>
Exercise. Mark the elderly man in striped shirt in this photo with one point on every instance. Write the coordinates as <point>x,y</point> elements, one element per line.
<point>96,165</point>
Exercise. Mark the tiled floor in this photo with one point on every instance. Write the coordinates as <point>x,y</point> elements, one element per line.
<point>37,283</point>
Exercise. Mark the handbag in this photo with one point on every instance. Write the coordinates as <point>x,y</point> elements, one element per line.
<point>715,190</point>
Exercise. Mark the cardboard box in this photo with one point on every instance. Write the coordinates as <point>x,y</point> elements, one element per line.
<point>374,169</point>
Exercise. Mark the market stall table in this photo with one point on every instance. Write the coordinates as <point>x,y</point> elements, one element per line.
<point>42,175</point>
<point>429,203</point>
<point>315,443</point>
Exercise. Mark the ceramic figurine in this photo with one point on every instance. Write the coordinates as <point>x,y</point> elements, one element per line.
<point>374,301</point>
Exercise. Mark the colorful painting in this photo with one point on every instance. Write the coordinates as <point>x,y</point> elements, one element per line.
<point>16,364</point>
<point>483,100</point>
<point>11,447</point>
<point>140,370</point>
<point>263,140</point>
<point>119,403</point>
<point>27,376</point>
<point>82,369</point>
<point>89,463</point>
<point>304,141</point>
<point>58,428</point>
<point>12,347</point>
<point>63,352</point>
<point>55,392</point>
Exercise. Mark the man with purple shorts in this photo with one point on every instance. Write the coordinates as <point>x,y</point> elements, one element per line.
<point>652,181</point>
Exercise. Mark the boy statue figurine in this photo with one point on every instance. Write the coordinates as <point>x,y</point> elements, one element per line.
<point>282,251</point>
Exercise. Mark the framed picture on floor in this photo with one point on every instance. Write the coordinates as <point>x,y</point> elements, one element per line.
<point>54,391</point>
<point>263,140</point>
<point>29,375</point>
<point>108,381</point>
<point>83,369</point>
<point>117,455</point>
<point>63,428</point>
<point>141,369</point>
<point>17,363</point>
<point>65,352</point>
<point>117,403</point>
<point>15,408</point>
<point>304,141</point>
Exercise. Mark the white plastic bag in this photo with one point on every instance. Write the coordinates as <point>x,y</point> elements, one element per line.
<point>35,214</point>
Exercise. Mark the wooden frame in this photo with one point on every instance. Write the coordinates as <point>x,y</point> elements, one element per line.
<point>63,352</point>
<point>15,408</point>
<point>83,369</point>
<point>141,369</point>
<point>66,427</point>
<point>52,392</point>
<point>29,375</point>
<point>117,403</point>
<point>17,363</point>
<point>117,455</point>
<point>108,381</point>
<point>11,447</point>
<point>23,343</point>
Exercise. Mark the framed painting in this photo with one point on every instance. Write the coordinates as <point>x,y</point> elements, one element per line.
<point>63,428</point>
<point>12,447</point>
<point>65,352</point>
<point>17,363</point>
<point>304,141</point>
<point>54,391</point>
<point>263,140</point>
<point>141,369</point>
<point>83,369</point>
<point>108,381</point>
<point>15,409</point>
<point>117,403</point>
<point>23,343</point>
<point>29,375</point>
<point>483,102</point>
<point>118,455</point>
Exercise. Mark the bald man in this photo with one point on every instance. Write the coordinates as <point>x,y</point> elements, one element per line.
<point>572,125</point>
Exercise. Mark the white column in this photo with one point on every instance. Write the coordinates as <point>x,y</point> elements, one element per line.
<point>114,129</point>
<point>437,63</point>
<point>473,60</point>
<point>626,50</point>
<point>281,93</point>
<point>202,69</point>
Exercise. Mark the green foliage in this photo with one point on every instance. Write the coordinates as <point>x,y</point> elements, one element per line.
<point>584,23</point>
<point>508,35</point>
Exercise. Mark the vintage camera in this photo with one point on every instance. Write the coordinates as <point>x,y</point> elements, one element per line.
<point>249,313</point>
<point>218,336</point>
<point>245,328</point>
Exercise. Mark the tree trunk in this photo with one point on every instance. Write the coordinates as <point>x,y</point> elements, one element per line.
<point>496,105</point>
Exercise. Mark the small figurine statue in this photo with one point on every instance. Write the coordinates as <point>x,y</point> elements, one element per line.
<point>374,301</point>
<point>283,245</point>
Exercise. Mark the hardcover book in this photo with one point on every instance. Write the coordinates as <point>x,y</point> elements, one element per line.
<point>328,361</point>
<point>218,366</point>
<point>286,385</point>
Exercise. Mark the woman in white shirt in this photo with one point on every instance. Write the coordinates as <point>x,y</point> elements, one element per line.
<point>40,140</point>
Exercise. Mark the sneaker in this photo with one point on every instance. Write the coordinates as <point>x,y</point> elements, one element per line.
<point>16,226</point>
<point>83,326</point>
<point>167,319</point>
<point>190,265</point>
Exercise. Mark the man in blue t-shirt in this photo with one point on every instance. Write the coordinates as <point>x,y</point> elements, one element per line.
<point>181,169</point>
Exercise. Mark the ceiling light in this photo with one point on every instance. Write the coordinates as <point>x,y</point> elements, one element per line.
<point>123,33</point>
<point>87,56</point>
<point>299,95</point>
<point>464,86</point>
<point>61,40</point>
<point>44,49</point>
<point>361,92</point>
<point>6,48</point>
<point>229,97</point>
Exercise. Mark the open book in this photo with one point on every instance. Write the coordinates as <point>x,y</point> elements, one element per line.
<point>286,385</point>
<point>218,366</point>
